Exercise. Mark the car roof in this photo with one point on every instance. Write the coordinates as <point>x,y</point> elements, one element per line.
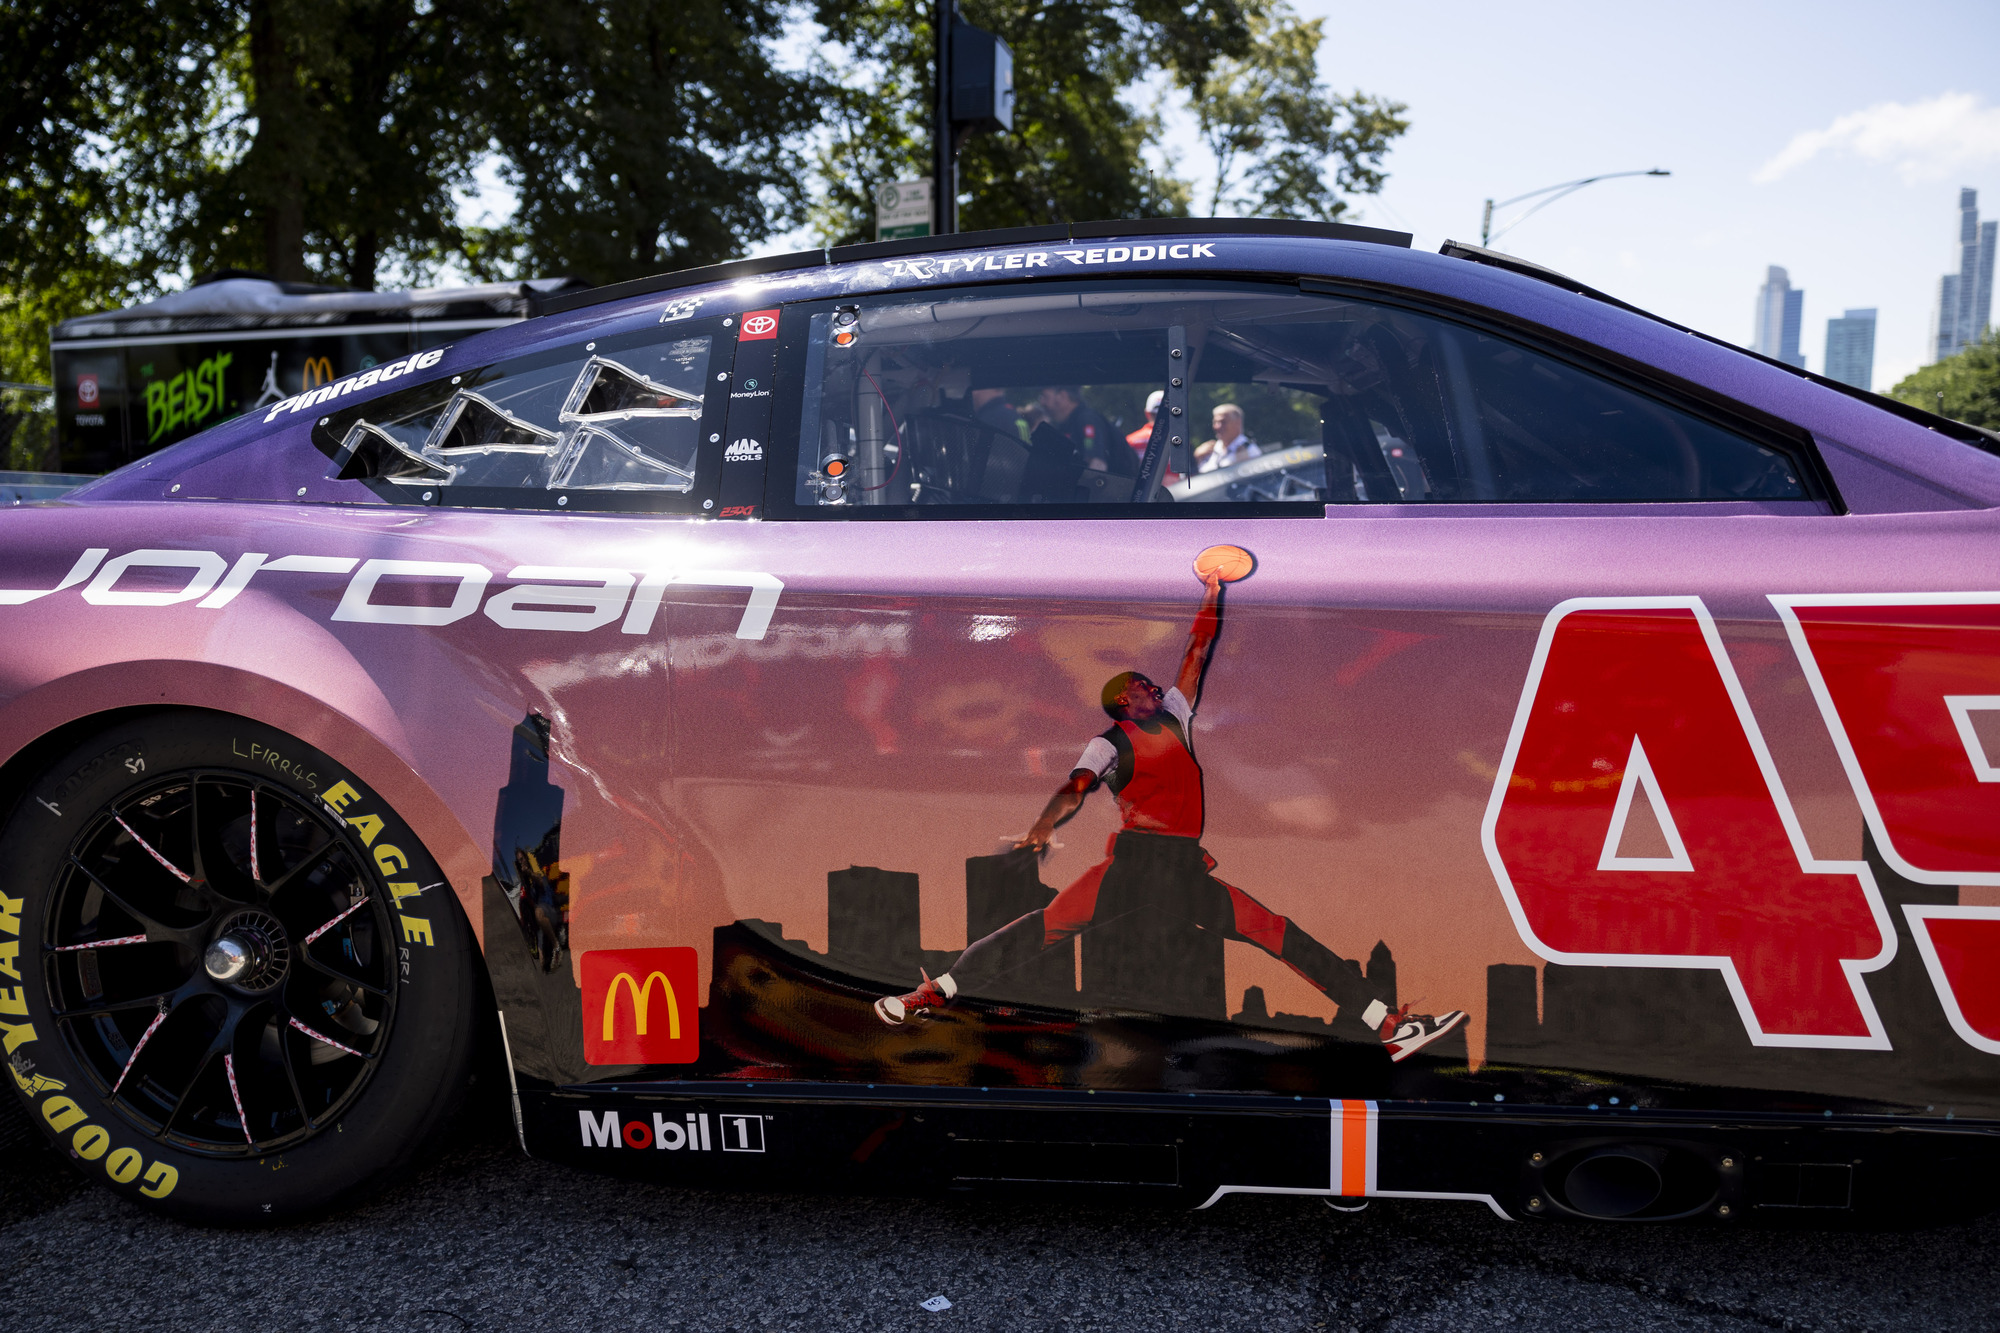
<point>838,255</point>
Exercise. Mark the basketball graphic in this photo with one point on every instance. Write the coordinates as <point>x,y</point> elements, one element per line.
<point>1229,563</point>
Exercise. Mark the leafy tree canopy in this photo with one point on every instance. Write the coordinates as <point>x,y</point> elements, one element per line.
<point>1081,136</point>
<point>1274,130</point>
<point>143,142</point>
<point>641,135</point>
<point>1965,387</point>
<point>82,89</point>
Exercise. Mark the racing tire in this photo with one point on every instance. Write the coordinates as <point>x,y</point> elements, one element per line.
<point>234,986</point>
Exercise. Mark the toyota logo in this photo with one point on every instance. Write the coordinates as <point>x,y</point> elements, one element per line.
<point>757,325</point>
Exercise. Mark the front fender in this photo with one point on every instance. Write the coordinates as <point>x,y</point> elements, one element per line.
<point>340,711</point>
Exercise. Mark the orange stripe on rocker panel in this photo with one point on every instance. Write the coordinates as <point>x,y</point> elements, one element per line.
<point>1354,1148</point>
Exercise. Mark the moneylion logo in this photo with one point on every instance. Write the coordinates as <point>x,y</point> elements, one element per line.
<point>743,451</point>
<point>637,1007</point>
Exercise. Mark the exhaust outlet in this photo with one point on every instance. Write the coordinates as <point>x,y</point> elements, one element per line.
<point>1610,1181</point>
<point>1617,1182</point>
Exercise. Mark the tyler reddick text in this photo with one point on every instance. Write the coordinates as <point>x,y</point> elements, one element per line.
<point>691,1133</point>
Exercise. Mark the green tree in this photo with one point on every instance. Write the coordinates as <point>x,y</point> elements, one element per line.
<point>1274,129</point>
<point>78,84</point>
<point>1965,387</point>
<point>343,127</point>
<point>641,135</point>
<point>150,140</point>
<point>333,136</point>
<point>1080,141</point>
<point>1077,149</point>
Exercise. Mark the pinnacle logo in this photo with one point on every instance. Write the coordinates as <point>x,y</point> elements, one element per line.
<point>743,451</point>
<point>639,1007</point>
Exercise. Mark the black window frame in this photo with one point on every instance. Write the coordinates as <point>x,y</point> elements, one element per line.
<point>699,500</point>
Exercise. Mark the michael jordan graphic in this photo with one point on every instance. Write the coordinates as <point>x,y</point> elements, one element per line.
<point>1146,757</point>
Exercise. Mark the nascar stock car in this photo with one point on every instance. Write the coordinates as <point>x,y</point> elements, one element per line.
<point>1180,708</point>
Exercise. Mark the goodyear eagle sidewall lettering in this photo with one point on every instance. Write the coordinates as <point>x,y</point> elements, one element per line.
<point>434,958</point>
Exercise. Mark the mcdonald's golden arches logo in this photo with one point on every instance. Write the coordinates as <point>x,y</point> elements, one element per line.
<point>318,371</point>
<point>639,1006</point>
<point>642,998</point>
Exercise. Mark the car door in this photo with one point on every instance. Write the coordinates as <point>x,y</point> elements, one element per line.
<point>1483,501</point>
<point>506,602</point>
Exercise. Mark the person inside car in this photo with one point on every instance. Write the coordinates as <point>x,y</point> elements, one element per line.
<point>991,409</point>
<point>1086,429</point>
<point>1139,438</point>
<point>1229,446</point>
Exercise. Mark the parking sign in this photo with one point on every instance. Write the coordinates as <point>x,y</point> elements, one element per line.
<point>903,209</point>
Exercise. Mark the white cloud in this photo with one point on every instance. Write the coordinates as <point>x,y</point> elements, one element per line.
<point>1923,141</point>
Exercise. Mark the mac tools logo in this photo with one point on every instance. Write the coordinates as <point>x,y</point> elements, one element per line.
<point>639,1007</point>
<point>743,451</point>
<point>669,1133</point>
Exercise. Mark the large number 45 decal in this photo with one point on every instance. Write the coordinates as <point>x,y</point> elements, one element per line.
<point>1907,684</point>
<point>1635,698</point>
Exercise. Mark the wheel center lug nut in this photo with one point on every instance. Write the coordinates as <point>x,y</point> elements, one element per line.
<point>228,958</point>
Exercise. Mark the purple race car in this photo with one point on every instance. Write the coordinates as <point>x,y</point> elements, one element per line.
<point>1174,708</point>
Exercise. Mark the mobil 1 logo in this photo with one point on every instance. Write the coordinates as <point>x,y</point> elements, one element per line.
<point>740,1133</point>
<point>693,1131</point>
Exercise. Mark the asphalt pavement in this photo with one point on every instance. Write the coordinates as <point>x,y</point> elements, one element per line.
<point>481,1238</point>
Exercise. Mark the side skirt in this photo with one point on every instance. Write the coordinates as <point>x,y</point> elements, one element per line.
<point>1191,1151</point>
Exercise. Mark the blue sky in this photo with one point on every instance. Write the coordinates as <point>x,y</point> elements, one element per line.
<point>1862,212</point>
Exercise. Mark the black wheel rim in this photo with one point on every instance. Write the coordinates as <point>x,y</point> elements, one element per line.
<point>219,958</point>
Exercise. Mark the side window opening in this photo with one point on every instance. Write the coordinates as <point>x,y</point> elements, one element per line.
<point>1550,431</point>
<point>1098,397</point>
<point>626,421</point>
<point>1217,393</point>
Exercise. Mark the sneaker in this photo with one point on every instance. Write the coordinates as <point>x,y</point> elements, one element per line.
<point>896,1010</point>
<point>1405,1033</point>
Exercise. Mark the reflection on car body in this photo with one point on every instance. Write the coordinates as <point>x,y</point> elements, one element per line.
<point>1601,726</point>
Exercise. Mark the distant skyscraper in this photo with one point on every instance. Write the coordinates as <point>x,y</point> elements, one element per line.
<point>1780,317</point>
<point>1850,348</point>
<point>1965,298</point>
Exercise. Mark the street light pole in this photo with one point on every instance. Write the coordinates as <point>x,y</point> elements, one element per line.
<point>1486,233</point>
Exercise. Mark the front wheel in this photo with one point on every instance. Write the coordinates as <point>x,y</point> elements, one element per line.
<point>234,987</point>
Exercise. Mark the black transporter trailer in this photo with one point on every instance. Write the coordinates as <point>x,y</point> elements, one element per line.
<point>128,382</point>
